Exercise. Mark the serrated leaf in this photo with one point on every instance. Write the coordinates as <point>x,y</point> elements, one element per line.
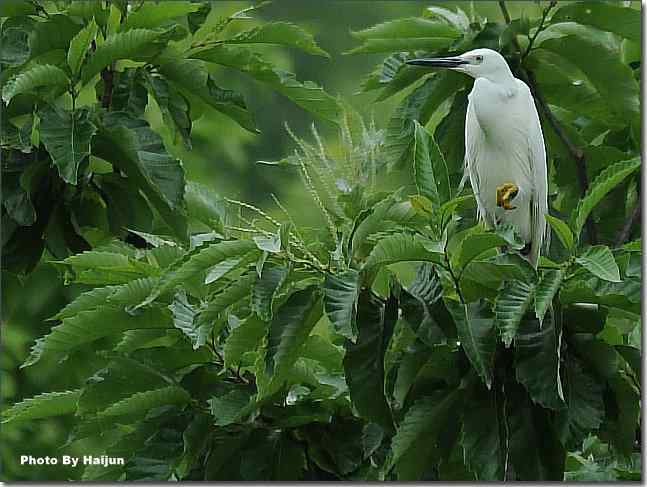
<point>307,94</point>
<point>141,403</point>
<point>340,302</point>
<point>221,269</point>
<point>199,262</point>
<point>193,79</point>
<point>132,146</point>
<point>535,451</point>
<point>562,231</point>
<point>419,105</point>
<point>279,33</point>
<point>364,360</point>
<point>42,406</point>
<point>474,245</point>
<point>616,18</point>
<point>400,248</point>
<point>483,444</point>
<point>537,362</point>
<point>79,46</point>
<point>406,34</point>
<point>214,311</point>
<point>583,395</point>
<point>67,137</point>
<point>266,288</point>
<point>608,179</point>
<point>87,326</point>
<point>546,290</point>
<point>599,261</point>
<point>184,318</point>
<point>477,336</point>
<point>422,425</point>
<point>510,307</point>
<point>152,15</point>
<point>136,44</point>
<point>230,407</point>
<point>38,76</point>
<point>244,338</point>
<point>288,330</point>
<point>174,108</point>
<point>429,168</point>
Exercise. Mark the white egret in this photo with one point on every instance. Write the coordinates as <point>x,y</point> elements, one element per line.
<point>505,157</point>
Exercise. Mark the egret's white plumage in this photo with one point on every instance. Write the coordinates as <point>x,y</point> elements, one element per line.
<point>504,144</point>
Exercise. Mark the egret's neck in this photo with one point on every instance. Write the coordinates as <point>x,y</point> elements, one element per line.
<point>502,77</point>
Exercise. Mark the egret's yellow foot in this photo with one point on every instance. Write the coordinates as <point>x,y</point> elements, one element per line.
<point>506,193</point>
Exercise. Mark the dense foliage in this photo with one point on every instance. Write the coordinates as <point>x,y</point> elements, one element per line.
<point>399,339</point>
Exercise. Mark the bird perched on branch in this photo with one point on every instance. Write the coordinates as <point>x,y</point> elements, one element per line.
<point>505,157</point>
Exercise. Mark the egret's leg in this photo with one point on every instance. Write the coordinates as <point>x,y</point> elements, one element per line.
<point>506,193</point>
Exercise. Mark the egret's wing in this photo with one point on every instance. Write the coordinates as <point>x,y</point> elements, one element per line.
<point>539,172</point>
<point>473,137</point>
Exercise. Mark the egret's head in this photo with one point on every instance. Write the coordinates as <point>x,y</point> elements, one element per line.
<point>478,63</point>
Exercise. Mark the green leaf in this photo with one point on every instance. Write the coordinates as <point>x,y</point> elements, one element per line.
<point>270,243</point>
<point>229,296</point>
<point>184,318</point>
<point>419,105</point>
<point>612,17</point>
<point>429,168</point>
<point>42,406</point>
<point>599,261</point>
<point>406,34</point>
<point>132,146</point>
<point>79,46</point>
<point>136,44</point>
<point>38,76</point>
<point>152,15</point>
<point>244,338</point>
<point>627,398</point>
<point>307,95</point>
<point>562,231</point>
<point>537,362</point>
<point>477,336</point>
<point>288,330</point>
<point>400,248</point>
<point>231,407</point>
<point>510,306</point>
<point>340,302</point>
<point>88,326</point>
<point>265,290</point>
<point>608,179</point>
<point>279,33</point>
<point>199,262</point>
<point>193,79</point>
<point>140,403</point>
<point>598,56</point>
<point>583,395</point>
<point>483,445</point>
<point>174,108</point>
<point>533,445</point>
<point>546,290</point>
<point>420,429</point>
<point>67,137</point>
<point>364,360</point>
<point>474,245</point>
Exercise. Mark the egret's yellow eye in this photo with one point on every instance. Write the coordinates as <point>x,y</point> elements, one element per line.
<point>479,58</point>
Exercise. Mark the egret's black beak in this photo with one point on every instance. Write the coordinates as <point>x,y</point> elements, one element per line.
<point>441,62</point>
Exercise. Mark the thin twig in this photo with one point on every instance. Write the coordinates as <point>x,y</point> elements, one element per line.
<point>539,28</point>
<point>575,152</point>
<point>628,226</point>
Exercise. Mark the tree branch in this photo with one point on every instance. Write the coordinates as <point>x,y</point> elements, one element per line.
<point>628,226</point>
<point>575,152</point>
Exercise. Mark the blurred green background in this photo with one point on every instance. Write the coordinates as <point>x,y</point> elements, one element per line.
<point>224,157</point>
